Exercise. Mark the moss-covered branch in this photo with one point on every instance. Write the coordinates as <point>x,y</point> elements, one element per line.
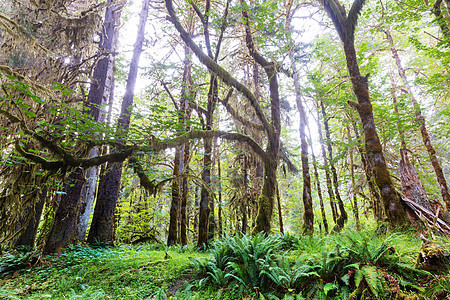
<point>216,68</point>
<point>198,134</point>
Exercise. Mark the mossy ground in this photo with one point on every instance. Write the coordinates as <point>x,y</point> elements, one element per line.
<point>156,272</point>
<point>123,272</point>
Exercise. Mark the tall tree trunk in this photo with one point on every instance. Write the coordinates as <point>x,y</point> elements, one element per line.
<point>219,192</point>
<point>327,168</point>
<point>245,198</point>
<point>87,198</point>
<point>176,200</point>
<point>196,204</point>
<point>374,192</point>
<point>90,188</point>
<point>308,215</point>
<point>319,188</point>
<point>345,26</point>
<point>422,127</point>
<point>63,231</point>
<point>342,218</point>
<point>102,227</point>
<point>66,219</point>
<point>184,198</point>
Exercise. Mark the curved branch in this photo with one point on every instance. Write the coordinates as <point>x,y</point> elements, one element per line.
<point>241,119</point>
<point>354,13</point>
<point>216,68</point>
<point>199,134</point>
<point>337,14</point>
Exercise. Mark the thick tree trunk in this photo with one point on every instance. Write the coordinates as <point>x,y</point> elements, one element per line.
<point>204,208</point>
<point>422,127</point>
<point>87,198</point>
<point>62,235</point>
<point>63,231</point>
<point>391,200</point>
<point>345,27</point>
<point>102,228</point>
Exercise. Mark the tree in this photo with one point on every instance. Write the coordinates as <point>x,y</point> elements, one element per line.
<point>102,227</point>
<point>345,25</point>
<point>308,215</point>
<point>272,128</point>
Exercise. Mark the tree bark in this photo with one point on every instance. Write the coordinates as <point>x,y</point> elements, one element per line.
<point>280,215</point>
<point>374,192</point>
<point>184,198</point>
<point>319,188</point>
<point>102,227</point>
<point>219,192</point>
<point>63,231</point>
<point>308,214</point>
<point>345,26</point>
<point>66,220</point>
<point>87,198</point>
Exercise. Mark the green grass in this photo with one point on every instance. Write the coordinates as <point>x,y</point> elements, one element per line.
<point>120,273</point>
<point>349,265</point>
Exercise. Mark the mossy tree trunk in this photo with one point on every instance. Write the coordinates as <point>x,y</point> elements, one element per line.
<point>345,26</point>
<point>102,227</point>
<point>28,235</point>
<point>66,220</point>
<point>176,199</point>
<point>63,231</point>
<point>377,207</point>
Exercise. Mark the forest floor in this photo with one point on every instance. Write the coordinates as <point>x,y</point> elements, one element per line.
<point>339,266</point>
<point>123,272</point>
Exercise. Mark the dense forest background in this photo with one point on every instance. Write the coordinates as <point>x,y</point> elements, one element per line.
<point>182,122</point>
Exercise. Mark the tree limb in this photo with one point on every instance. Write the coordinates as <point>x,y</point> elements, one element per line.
<point>215,68</point>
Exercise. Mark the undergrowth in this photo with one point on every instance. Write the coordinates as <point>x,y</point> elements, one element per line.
<point>350,265</point>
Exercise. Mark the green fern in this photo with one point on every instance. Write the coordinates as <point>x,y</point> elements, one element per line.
<point>371,277</point>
